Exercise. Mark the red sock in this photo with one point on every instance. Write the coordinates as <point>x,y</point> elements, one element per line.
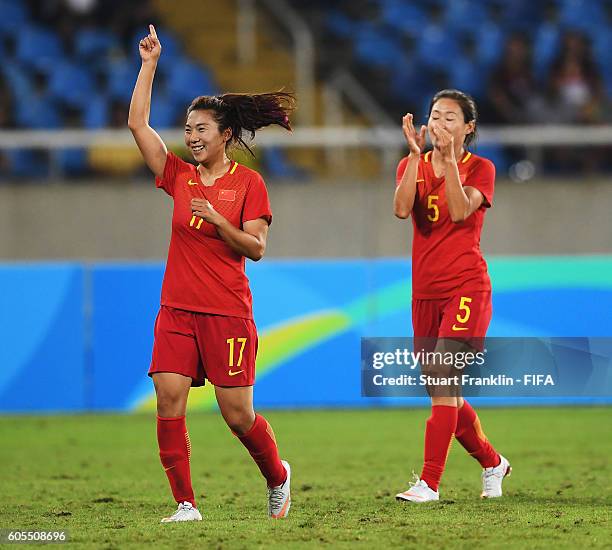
<point>438,436</point>
<point>261,444</point>
<point>470,435</point>
<point>175,452</point>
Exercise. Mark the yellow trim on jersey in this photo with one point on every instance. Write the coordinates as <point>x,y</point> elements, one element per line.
<point>466,158</point>
<point>427,155</point>
<point>234,168</point>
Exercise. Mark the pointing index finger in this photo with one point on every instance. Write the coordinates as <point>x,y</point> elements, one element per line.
<point>152,31</point>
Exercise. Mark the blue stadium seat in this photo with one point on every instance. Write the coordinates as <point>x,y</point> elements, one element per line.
<point>408,80</point>
<point>94,43</point>
<point>96,112</point>
<point>38,48</point>
<point>121,76</point>
<point>277,166</point>
<point>36,112</point>
<point>164,111</point>
<point>434,46</point>
<point>581,14</point>
<point>71,84</point>
<point>602,50</point>
<point>13,16</point>
<point>71,162</point>
<point>490,41</point>
<point>545,47</point>
<point>464,16</point>
<point>28,163</point>
<point>187,80</point>
<point>17,79</point>
<point>466,75</point>
<point>520,15</point>
<point>406,17</point>
<point>377,48</point>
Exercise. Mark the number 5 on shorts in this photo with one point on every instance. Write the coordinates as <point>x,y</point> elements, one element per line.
<point>231,344</point>
<point>463,306</point>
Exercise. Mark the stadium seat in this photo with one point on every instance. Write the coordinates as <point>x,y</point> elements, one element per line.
<point>463,16</point>
<point>70,162</point>
<point>185,80</point>
<point>38,48</point>
<point>117,160</point>
<point>406,17</point>
<point>28,163</point>
<point>489,39</point>
<point>434,46</point>
<point>71,84</point>
<point>17,79</point>
<point>13,16</point>
<point>377,48</point>
<point>277,166</point>
<point>94,43</point>
<point>164,111</point>
<point>37,112</point>
<point>466,75</point>
<point>96,112</point>
<point>408,80</point>
<point>581,14</point>
<point>121,75</point>
<point>545,47</point>
<point>602,49</point>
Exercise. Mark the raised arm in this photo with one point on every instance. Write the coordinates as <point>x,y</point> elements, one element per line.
<point>150,144</point>
<point>403,200</point>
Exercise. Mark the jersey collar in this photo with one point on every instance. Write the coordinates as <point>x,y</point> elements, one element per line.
<point>466,156</point>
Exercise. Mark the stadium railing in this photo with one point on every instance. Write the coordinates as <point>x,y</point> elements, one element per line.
<point>387,140</point>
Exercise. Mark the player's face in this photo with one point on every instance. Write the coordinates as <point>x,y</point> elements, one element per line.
<point>202,136</point>
<point>447,113</point>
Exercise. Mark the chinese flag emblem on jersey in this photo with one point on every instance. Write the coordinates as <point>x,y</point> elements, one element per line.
<point>227,195</point>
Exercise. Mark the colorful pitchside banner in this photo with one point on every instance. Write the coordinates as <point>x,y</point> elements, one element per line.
<point>78,337</point>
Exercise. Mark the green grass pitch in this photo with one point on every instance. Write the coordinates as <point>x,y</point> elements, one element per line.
<point>99,478</point>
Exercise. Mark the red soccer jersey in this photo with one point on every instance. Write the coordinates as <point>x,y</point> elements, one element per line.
<point>446,256</point>
<point>203,273</point>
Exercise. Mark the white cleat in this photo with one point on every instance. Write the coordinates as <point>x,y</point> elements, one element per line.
<point>185,512</point>
<point>419,492</point>
<point>492,478</point>
<point>279,498</point>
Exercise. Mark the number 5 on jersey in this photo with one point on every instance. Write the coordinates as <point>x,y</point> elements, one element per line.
<point>431,205</point>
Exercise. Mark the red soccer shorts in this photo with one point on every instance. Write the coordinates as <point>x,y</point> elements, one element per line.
<point>203,346</point>
<point>464,317</point>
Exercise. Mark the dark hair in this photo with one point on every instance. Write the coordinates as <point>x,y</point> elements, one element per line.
<point>467,104</point>
<point>247,113</point>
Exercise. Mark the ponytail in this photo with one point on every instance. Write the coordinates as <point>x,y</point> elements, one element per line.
<point>247,113</point>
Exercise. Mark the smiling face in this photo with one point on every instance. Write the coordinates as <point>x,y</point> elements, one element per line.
<point>203,138</point>
<point>447,113</point>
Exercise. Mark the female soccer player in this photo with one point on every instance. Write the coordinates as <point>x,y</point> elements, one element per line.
<point>447,191</point>
<point>205,328</point>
